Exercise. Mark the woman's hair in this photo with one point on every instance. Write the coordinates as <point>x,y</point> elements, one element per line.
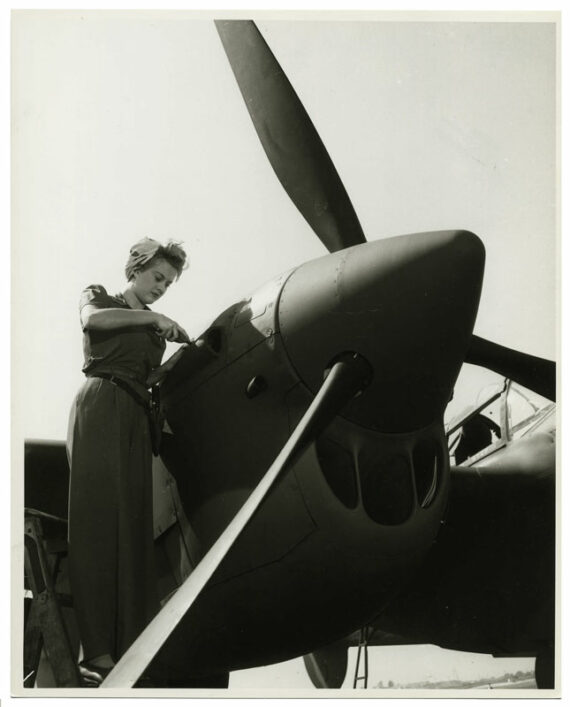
<point>147,251</point>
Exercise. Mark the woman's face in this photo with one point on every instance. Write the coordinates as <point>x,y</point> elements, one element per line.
<point>152,282</point>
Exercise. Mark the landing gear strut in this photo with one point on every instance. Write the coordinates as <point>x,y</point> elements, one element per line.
<point>544,668</point>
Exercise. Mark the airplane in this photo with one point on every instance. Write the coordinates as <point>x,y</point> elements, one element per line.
<point>362,347</point>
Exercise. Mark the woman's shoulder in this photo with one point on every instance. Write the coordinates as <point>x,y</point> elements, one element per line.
<point>98,296</point>
<point>95,289</point>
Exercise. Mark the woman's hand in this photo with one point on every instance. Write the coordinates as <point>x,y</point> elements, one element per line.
<point>170,330</point>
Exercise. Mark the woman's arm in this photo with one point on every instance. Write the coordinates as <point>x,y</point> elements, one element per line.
<point>116,318</point>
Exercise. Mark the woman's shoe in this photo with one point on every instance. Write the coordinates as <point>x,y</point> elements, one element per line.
<point>93,675</point>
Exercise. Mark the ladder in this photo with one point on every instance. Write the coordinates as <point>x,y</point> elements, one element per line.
<point>362,653</point>
<point>45,545</point>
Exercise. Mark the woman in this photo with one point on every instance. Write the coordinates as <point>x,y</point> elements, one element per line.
<point>111,560</point>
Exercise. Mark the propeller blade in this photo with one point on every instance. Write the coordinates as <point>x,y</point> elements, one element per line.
<point>534,373</point>
<point>289,138</point>
<point>347,377</point>
<point>327,666</point>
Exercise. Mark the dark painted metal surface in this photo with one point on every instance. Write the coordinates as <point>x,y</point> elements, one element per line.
<point>46,477</point>
<point>316,566</point>
<point>407,304</point>
<point>488,584</point>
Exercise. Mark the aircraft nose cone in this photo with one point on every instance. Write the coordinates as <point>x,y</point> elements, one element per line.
<point>407,304</point>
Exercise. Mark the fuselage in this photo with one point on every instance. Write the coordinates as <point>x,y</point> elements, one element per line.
<point>352,521</point>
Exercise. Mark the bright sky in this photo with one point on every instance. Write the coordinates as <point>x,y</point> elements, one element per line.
<point>126,125</point>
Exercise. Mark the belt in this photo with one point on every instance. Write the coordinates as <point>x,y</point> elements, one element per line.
<point>120,383</point>
<point>150,404</point>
